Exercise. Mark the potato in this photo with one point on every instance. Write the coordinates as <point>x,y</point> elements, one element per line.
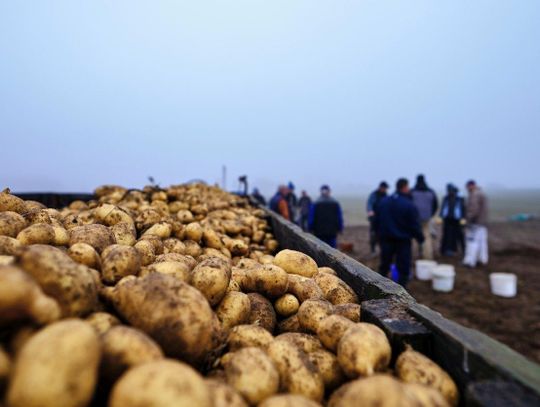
<point>192,248</point>
<point>61,236</point>
<point>331,329</point>
<point>124,347</point>
<point>243,336</point>
<point>262,313</point>
<point>174,245</point>
<point>305,342</point>
<point>164,307</point>
<point>119,261</point>
<point>413,367</point>
<point>233,286</point>
<point>163,230</point>
<point>237,247</point>
<point>298,375</point>
<point>289,324</point>
<point>212,239</point>
<point>11,223</point>
<point>363,350</point>
<point>349,311</point>
<point>162,383</point>
<point>97,236</point>
<point>312,312</point>
<point>304,288</point>
<point>21,298</point>
<point>185,216</point>
<point>102,321</point>
<point>211,277</point>
<point>286,305</point>
<point>384,390</point>
<point>146,251</point>
<point>111,215</point>
<point>56,367</point>
<point>294,262</point>
<point>38,233</point>
<point>71,284</point>
<point>124,233</point>
<point>7,260</point>
<point>20,337</point>
<point>193,231</point>
<point>233,309</point>
<point>156,241</point>
<point>85,254</point>
<point>37,216</point>
<point>328,367</point>
<point>335,290</point>
<point>288,400</point>
<point>223,395</point>
<point>189,261</point>
<point>11,203</point>
<point>9,246</point>
<point>175,268</point>
<point>269,280</point>
<point>251,372</point>
<point>327,270</point>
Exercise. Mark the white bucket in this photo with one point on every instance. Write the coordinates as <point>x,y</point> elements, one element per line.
<point>443,278</point>
<point>424,269</point>
<point>503,284</point>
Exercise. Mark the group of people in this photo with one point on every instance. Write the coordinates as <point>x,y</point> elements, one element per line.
<point>323,217</point>
<point>407,214</point>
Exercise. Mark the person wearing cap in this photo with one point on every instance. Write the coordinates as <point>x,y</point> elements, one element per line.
<point>476,247</point>
<point>453,216</point>
<point>398,223</point>
<point>325,217</point>
<point>372,203</point>
<point>425,200</point>
<point>279,203</point>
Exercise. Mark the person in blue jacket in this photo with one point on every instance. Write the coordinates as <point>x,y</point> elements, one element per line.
<point>372,203</point>
<point>397,224</point>
<point>453,216</point>
<point>325,217</point>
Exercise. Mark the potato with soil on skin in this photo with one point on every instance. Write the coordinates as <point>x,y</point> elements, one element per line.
<point>328,367</point>
<point>289,400</point>
<point>10,202</point>
<point>223,395</point>
<point>111,215</point>
<point>72,285</point>
<point>9,246</point>
<point>331,329</point>
<point>297,374</point>
<point>252,374</point>
<point>413,367</point>
<point>268,280</point>
<point>192,248</point>
<point>349,311</point>
<point>185,216</point>
<point>85,254</point>
<point>295,262</point>
<point>335,289</point>
<point>119,261</point>
<point>174,245</point>
<point>162,230</point>
<point>305,342</point>
<point>262,312</point>
<point>97,236</point>
<point>363,350</point>
<point>289,324</point>
<point>233,309</point>
<point>21,298</point>
<point>327,270</point>
<point>61,236</point>
<point>11,224</point>
<point>304,288</point>
<point>175,268</point>
<point>286,305</point>
<point>193,231</point>
<point>211,277</point>
<point>156,241</point>
<point>146,251</point>
<point>212,239</point>
<point>124,233</point>
<point>56,367</point>
<point>162,383</point>
<point>124,347</point>
<point>38,233</point>
<point>102,321</point>
<point>243,336</point>
<point>164,308</point>
<point>312,312</point>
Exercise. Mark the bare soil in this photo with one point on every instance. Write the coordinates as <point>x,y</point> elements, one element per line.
<point>514,248</point>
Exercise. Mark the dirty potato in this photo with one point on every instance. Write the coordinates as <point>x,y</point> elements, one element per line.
<point>38,233</point>
<point>286,305</point>
<point>11,223</point>
<point>312,312</point>
<point>234,309</point>
<point>102,321</point>
<point>262,312</point>
<point>349,311</point>
<point>97,236</point>
<point>335,289</point>
<point>331,329</point>
<point>119,261</point>
<point>243,336</point>
<point>85,254</point>
<point>211,277</point>
<point>295,262</point>
<point>223,395</point>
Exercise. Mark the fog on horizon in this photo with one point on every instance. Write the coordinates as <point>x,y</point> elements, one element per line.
<point>313,92</point>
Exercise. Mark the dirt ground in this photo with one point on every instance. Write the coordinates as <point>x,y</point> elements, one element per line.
<point>514,247</point>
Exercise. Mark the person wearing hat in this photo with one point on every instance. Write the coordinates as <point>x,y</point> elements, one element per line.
<point>326,218</point>
<point>373,201</point>
<point>453,216</point>
<point>425,200</point>
<point>476,248</point>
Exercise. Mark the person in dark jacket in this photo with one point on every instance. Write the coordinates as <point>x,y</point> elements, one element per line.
<point>372,203</point>
<point>397,222</point>
<point>292,200</point>
<point>453,215</point>
<point>425,200</point>
<point>279,203</point>
<point>304,203</point>
<point>258,196</point>
<point>326,218</point>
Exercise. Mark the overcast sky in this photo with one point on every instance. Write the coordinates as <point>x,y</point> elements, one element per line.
<point>339,92</point>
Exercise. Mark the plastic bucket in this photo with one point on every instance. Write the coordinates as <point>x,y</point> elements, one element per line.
<point>503,284</point>
<point>424,269</point>
<point>443,278</point>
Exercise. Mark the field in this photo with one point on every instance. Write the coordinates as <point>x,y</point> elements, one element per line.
<point>515,248</point>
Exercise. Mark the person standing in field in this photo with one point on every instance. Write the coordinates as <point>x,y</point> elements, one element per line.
<point>453,216</point>
<point>304,203</point>
<point>292,200</point>
<point>279,202</point>
<point>373,202</point>
<point>398,223</point>
<point>258,196</point>
<point>476,247</point>
<point>326,218</point>
<point>425,200</point>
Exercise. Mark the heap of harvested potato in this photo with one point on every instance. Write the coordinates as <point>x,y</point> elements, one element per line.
<point>174,298</point>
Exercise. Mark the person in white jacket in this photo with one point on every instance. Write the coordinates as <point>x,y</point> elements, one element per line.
<point>476,234</point>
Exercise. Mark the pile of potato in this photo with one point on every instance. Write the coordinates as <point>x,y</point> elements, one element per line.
<point>174,297</point>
